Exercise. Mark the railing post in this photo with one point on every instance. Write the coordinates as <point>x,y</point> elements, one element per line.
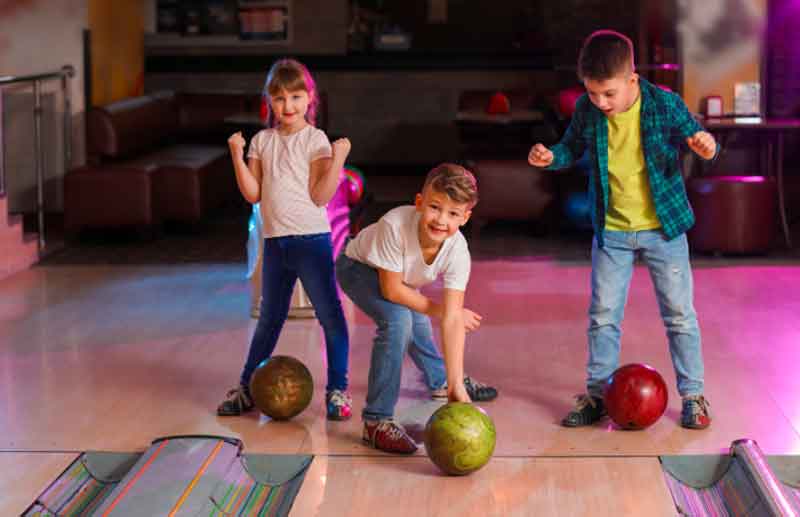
<point>37,159</point>
<point>64,74</point>
<point>2,146</point>
<point>67,95</point>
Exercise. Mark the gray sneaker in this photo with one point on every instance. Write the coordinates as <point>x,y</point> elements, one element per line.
<point>477,391</point>
<point>237,401</point>
<point>588,410</point>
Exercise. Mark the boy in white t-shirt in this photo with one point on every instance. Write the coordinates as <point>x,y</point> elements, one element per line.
<point>382,270</point>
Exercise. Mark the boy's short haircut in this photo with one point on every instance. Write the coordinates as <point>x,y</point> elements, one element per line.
<point>454,180</point>
<point>605,54</point>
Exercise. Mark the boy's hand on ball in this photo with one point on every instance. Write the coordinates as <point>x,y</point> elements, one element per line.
<point>458,393</point>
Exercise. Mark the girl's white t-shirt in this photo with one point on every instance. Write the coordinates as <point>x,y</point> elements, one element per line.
<point>286,205</point>
<point>393,244</point>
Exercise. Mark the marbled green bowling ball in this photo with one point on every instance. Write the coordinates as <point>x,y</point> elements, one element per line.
<point>460,438</point>
<point>281,387</point>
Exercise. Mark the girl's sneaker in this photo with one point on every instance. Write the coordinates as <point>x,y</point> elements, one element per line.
<point>338,405</point>
<point>237,401</point>
<point>694,413</point>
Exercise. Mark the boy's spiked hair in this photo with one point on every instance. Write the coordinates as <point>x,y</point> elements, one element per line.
<point>291,75</point>
<point>454,180</point>
<point>605,54</point>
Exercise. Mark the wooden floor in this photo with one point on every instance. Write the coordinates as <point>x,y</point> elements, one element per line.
<point>112,357</point>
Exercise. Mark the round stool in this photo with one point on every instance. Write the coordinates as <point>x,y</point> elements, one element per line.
<point>510,190</point>
<point>734,214</point>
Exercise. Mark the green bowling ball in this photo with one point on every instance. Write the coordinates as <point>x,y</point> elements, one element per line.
<point>460,438</point>
<point>281,387</point>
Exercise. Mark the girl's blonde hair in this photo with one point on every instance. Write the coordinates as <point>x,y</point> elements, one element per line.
<point>290,75</point>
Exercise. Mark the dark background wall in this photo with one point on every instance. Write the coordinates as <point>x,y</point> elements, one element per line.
<point>504,25</point>
<point>400,107</point>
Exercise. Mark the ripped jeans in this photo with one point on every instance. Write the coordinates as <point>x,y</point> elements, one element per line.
<point>668,263</point>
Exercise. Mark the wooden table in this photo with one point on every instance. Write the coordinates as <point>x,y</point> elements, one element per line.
<point>507,135</point>
<point>523,116</point>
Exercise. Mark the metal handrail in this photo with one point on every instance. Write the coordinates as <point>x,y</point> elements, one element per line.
<point>66,72</point>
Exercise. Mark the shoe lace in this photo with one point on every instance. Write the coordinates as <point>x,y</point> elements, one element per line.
<point>583,400</point>
<point>338,398</point>
<point>698,405</point>
<point>392,430</point>
<point>469,381</point>
<point>238,396</point>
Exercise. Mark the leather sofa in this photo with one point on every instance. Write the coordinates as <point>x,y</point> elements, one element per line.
<point>154,158</point>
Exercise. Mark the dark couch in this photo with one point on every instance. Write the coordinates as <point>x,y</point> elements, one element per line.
<point>160,157</point>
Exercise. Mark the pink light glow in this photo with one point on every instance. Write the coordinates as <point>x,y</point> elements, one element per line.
<point>742,179</point>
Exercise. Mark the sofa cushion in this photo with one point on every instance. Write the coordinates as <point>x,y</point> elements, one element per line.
<point>191,180</point>
<point>109,196</point>
<point>125,128</point>
<point>192,157</point>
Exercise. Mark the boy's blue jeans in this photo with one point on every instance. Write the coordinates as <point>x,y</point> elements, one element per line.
<point>400,329</point>
<point>310,258</point>
<point>668,263</point>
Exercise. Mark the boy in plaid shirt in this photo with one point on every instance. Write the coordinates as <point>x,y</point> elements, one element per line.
<point>633,132</point>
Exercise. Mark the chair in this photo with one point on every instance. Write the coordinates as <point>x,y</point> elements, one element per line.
<point>734,214</point>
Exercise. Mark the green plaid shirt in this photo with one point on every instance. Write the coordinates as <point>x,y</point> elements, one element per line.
<point>665,125</point>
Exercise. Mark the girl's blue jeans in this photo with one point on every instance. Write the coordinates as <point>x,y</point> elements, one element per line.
<point>309,258</point>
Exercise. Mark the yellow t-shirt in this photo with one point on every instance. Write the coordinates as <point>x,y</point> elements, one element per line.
<point>630,206</point>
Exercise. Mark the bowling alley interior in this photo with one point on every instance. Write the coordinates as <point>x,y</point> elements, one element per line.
<point>233,283</point>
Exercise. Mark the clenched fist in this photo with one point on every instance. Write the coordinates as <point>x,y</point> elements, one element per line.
<point>703,144</point>
<point>236,144</point>
<point>472,320</point>
<point>341,147</point>
<point>540,156</point>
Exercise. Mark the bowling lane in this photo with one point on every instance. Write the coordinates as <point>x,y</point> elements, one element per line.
<point>24,475</point>
<point>507,487</point>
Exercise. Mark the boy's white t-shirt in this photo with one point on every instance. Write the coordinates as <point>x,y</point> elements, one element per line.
<point>286,205</point>
<point>393,244</point>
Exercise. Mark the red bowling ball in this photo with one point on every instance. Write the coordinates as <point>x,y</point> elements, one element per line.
<point>567,99</point>
<point>635,396</point>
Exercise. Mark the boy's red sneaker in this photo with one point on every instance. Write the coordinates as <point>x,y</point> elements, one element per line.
<point>388,436</point>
